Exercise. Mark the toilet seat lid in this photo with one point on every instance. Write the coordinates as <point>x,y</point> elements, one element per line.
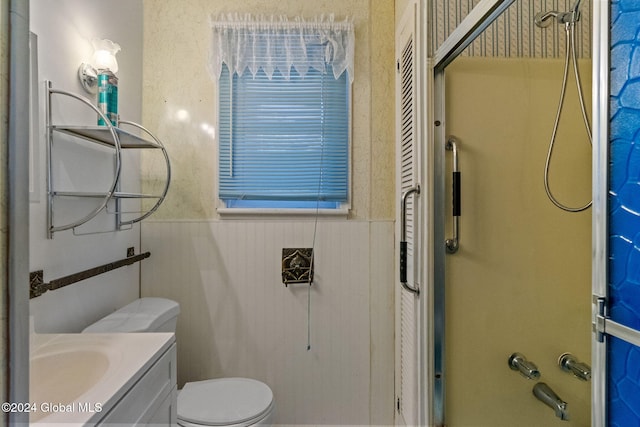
<point>224,401</point>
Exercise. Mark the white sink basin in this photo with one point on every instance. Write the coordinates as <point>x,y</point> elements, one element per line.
<point>78,378</point>
<point>65,374</point>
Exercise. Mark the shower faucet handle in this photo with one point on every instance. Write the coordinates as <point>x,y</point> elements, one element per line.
<point>529,370</point>
<point>569,363</point>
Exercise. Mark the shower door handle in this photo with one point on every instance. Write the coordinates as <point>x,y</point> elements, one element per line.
<point>403,236</point>
<point>453,244</point>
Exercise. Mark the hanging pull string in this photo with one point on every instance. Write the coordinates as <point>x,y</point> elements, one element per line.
<point>309,300</point>
<point>315,227</point>
<point>313,253</point>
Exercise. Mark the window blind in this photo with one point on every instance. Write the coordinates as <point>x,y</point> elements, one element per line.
<point>283,139</point>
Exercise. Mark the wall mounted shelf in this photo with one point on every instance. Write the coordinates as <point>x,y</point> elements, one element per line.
<point>102,135</point>
<point>114,137</point>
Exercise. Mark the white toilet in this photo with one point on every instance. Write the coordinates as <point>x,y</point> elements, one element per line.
<point>229,402</point>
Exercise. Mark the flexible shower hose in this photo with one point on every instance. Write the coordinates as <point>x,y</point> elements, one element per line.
<point>570,51</point>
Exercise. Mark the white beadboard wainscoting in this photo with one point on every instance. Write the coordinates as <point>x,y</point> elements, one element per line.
<point>238,319</point>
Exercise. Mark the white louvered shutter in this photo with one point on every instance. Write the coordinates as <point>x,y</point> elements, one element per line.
<point>407,403</point>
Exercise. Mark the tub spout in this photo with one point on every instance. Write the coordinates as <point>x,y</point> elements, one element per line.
<point>547,396</point>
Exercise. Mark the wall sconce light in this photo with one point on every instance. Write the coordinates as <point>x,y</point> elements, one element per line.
<point>104,58</point>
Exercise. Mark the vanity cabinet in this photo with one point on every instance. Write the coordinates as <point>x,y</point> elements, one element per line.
<point>152,400</point>
<point>106,379</point>
<point>117,139</point>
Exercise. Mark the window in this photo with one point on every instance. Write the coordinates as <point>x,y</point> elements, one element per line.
<point>283,143</point>
<point>283,130</point>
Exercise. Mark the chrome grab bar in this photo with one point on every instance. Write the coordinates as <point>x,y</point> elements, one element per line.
<point>453,244</point>
<point>403,242</point>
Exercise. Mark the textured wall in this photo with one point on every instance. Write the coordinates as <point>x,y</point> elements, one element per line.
<point>514,34</point>
<point>237,318</point>
<point>175,77</point>
<point>65,29</point>
<point>624,225</point>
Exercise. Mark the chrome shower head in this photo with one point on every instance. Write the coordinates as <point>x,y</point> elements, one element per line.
<point>544,19</point>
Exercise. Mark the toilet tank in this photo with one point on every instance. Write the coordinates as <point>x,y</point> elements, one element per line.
<point>142,315</point>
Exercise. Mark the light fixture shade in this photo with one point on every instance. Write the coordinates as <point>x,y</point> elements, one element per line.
<point>104,56</point>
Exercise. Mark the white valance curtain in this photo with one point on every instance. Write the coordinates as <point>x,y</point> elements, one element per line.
<point>245,42</point>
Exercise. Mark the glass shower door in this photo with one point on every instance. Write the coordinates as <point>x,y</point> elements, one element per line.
<point>503,294</point>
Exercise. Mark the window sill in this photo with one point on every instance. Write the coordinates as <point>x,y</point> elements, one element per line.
<point>282,213</point>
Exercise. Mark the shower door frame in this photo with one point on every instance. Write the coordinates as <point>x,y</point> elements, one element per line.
<point>600,214</point>
<point>603,325</point>
<point>478,19</point>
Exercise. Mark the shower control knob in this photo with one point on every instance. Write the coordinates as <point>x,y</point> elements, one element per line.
<point>529,370</point>
<point>569,363</point>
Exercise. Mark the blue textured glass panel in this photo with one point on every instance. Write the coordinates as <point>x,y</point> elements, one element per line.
<point>624,383</point>
<point>624,209</point>
<point>625,167</point>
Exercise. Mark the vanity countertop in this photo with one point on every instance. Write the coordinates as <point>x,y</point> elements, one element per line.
<point>76,379</point>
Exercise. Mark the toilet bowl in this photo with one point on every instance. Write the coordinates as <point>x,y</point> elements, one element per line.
<point>229,402</point>
<point>225,402</point>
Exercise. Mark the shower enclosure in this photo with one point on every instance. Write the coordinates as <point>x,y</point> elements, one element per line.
<point>520,280</point>
<point>517,317</point>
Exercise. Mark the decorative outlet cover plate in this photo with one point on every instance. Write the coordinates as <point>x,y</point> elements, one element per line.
<point>297,265</point>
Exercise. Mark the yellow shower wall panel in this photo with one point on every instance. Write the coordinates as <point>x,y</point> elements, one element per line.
<point>180,100</point>
<point>521,280</point>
